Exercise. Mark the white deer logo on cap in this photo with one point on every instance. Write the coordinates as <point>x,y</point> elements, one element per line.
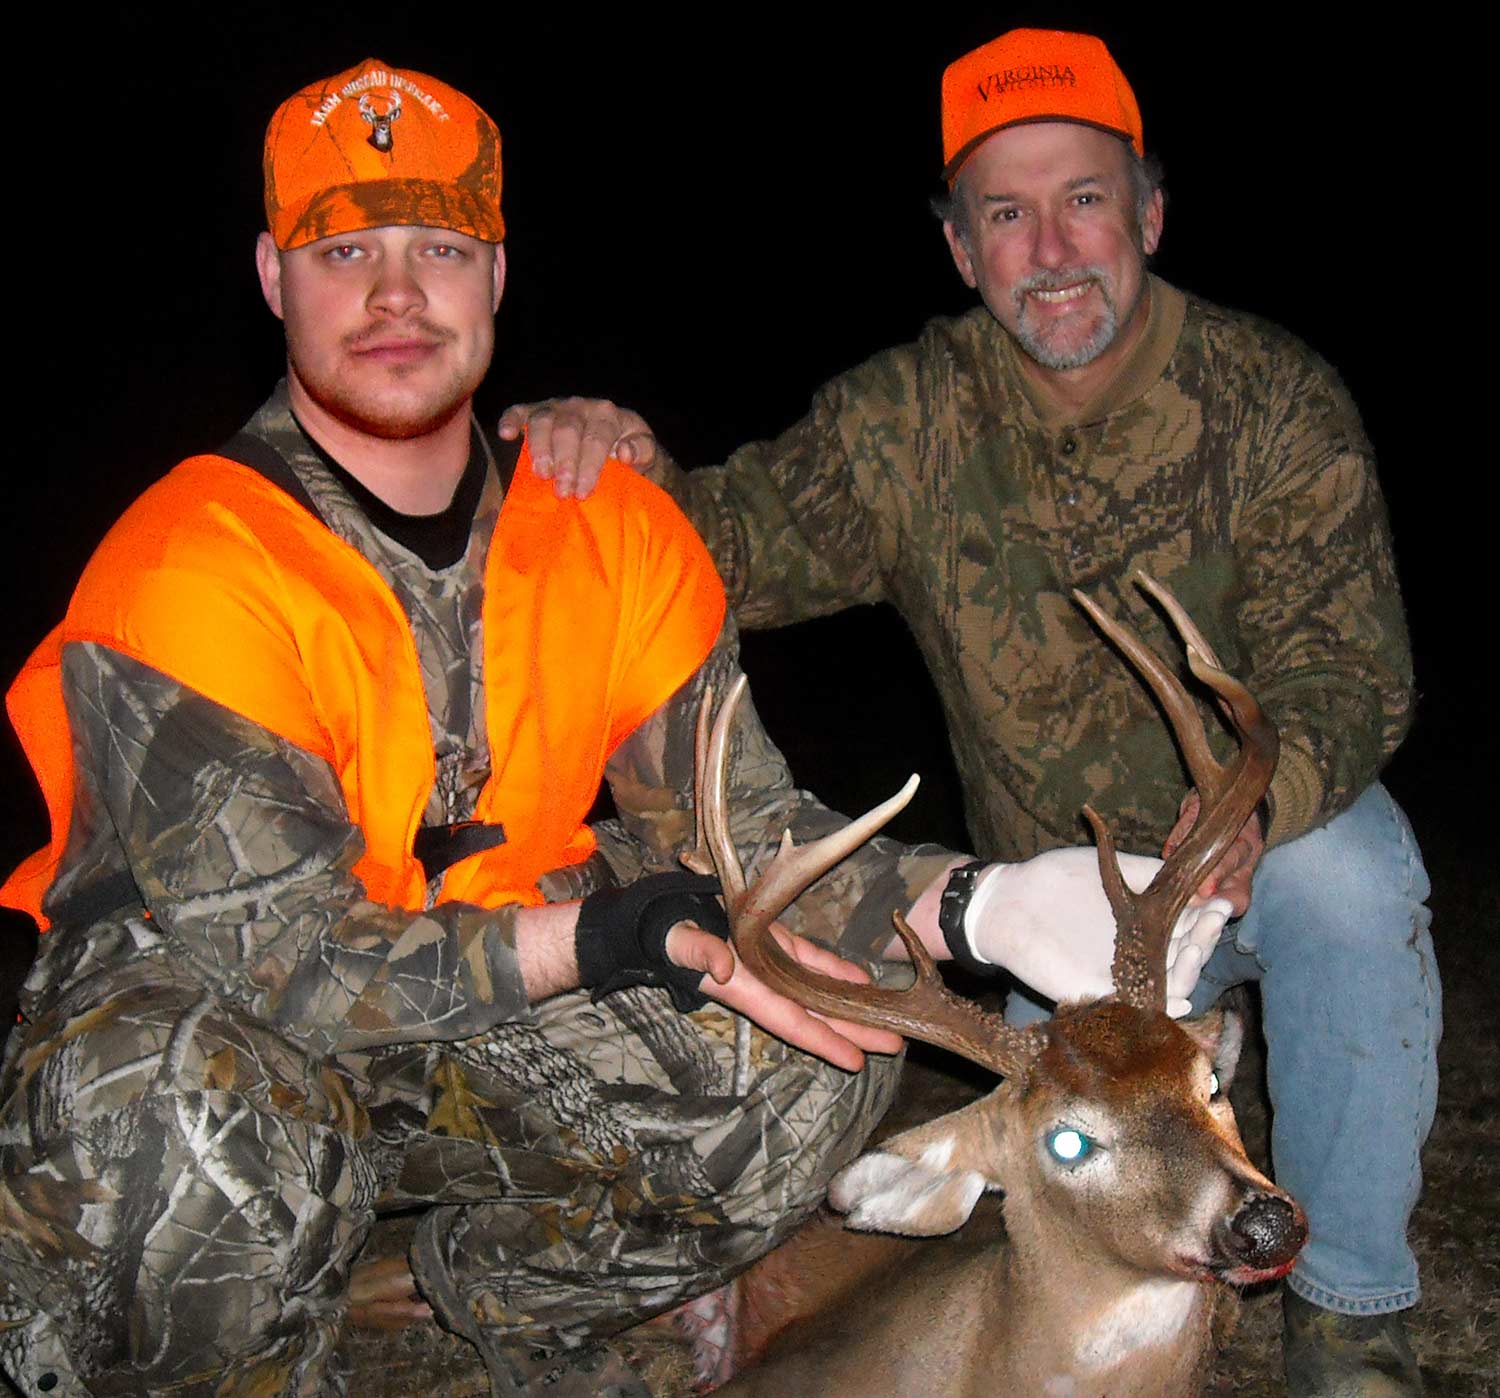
<point>380,136</point>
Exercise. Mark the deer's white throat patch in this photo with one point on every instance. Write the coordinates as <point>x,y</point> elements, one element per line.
<point>1151,1314</point>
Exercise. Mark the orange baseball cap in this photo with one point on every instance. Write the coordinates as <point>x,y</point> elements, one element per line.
<point>378,145</point>
<point>1034,75</point>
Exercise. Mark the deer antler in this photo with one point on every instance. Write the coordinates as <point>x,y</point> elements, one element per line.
<point>700,858</point>
<point>1229,793</point>
<point>927,1011</point>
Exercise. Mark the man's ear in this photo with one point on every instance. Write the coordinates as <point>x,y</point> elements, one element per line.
<point>1151,225</point>
<point>268,266</point>
<point>499,287</point>
<point>960,250</point>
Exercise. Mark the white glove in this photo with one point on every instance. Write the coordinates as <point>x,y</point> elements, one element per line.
<point>1199,927</point>
<point>1048,922</point>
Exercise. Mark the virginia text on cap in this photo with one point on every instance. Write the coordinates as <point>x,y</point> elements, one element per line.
<point>1034,75</point>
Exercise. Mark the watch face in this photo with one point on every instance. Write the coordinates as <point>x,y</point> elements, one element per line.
<point>954,903</point>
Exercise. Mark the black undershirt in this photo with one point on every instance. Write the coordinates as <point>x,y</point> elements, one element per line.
<point>439,540</point>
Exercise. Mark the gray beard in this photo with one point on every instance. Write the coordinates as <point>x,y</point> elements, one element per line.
<point>1030,340</point>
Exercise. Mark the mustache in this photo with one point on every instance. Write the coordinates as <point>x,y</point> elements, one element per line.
<point>1056,281</point>
<point>409,329</point>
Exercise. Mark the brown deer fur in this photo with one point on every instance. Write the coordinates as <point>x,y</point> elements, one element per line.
<point>1108,1285</point>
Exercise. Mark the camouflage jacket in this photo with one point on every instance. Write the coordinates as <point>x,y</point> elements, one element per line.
<point>1225,459</point>
<point>222,853</point>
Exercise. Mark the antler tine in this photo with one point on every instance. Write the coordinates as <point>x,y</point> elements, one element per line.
<point>700,858</point>
<point>1229,795</point>
<point>1209,774</point>
<point>713,813</point>
<point>1187,628</point>
<point>928,1011</point>
<point>1181,712</point>
<point>700,762</point>
<point>1142,932</point>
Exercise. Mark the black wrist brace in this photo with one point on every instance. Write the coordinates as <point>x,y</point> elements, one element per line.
<point>621,938</point>
<point>951,909</point>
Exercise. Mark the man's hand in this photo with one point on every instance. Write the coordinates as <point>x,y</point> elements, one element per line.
<point>571,438</point>
<point>1048,922</point>
<point>728,981</point>
<point>383,1296</point>
<point>1230,878</point>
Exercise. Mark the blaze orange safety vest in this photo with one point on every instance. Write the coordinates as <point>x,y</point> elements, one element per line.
<point>595,612</point>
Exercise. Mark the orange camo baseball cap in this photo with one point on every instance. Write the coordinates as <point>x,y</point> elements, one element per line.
<point>377,145</point>
<point>1034,75</point>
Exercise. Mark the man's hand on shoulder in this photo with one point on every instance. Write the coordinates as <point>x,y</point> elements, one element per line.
<point>571,438</point>
<point>727,980</point>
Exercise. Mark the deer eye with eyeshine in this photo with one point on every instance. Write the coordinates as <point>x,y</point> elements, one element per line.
<point>1215,1088</point>
<point>1068,1145</point>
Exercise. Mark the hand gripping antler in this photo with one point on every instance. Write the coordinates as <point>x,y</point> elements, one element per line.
<point>927,1011</point>
<point>1229,793</point>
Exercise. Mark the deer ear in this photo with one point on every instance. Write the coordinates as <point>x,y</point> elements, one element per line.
<point>925,1181</point>
<point>1221,1035</point>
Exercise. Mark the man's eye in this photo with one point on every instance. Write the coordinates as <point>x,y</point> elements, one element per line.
<point>342,252</point>
<point>1005,216</point>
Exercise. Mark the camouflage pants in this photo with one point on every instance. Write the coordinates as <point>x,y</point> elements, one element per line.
<point>185,1191</point>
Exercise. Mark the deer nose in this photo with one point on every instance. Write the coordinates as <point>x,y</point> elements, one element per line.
<point>1267,1232</point>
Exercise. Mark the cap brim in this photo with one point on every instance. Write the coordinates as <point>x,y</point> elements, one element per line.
<point>383,203</point>
<point>955,164</point>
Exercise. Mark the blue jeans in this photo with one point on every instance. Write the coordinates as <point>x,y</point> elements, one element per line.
<point>1337,936</point>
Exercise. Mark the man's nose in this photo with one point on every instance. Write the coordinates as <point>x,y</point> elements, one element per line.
<point>397,291</point>
<point>1054,246</point>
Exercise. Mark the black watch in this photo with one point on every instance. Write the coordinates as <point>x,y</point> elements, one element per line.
<point>952,906</point>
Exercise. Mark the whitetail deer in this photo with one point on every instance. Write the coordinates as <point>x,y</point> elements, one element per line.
<point>1129,1200</point>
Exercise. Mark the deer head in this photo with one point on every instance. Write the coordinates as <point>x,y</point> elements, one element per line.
<point>381,136</point>
<point>1112,1135</point>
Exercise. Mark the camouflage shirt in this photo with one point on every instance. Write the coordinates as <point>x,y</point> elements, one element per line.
<point>222,853</point>
<point>1225,459</point>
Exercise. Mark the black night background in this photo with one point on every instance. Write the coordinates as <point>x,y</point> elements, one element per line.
<point>706,221</point>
